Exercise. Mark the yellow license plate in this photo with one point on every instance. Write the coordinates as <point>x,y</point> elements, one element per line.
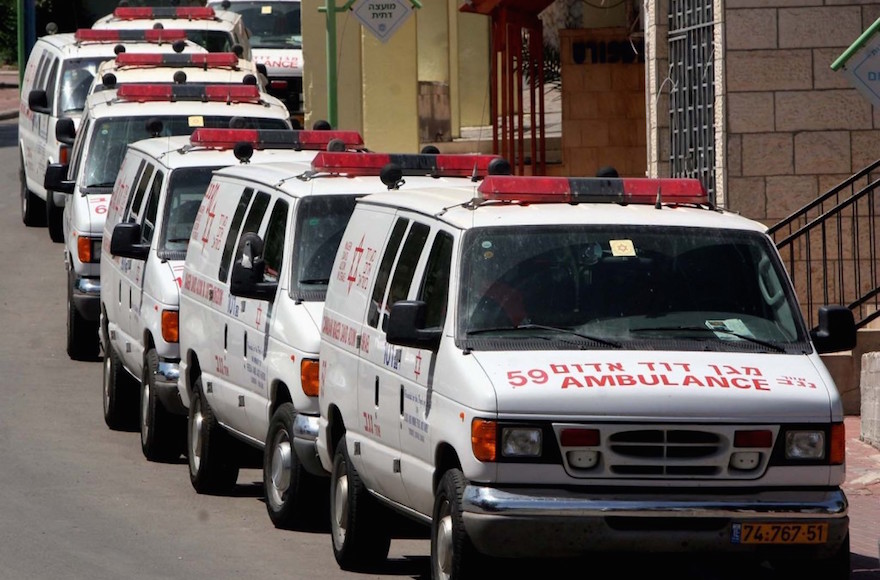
<point>779,533</point>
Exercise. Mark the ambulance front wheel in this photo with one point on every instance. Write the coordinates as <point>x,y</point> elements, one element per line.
<point>118,393</point>
<point>212,460</point>
<point>294,498</point>
<point>162,433</point>
<point>359,530</point>
<point>32,211</point>
<point>453,556</point>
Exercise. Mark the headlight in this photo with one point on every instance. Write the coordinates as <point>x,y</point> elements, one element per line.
<point>521,442</point>
<point>805,445</point>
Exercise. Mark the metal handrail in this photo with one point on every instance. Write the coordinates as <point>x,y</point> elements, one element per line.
<point>830,247</point>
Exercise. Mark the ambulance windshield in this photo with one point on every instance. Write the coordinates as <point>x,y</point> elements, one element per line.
<point>609,286</point>
<point>271,24</point>
<point>76,79</point>
<point>186,188</point>
<point>321,221</point>
<point>111,136</point>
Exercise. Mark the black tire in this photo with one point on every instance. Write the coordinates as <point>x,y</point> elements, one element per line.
<point>358,529</point>
<point>54,219</point>
<point>163,434</point>
<point>295,499</point>
<point>213,468</point>
<point>82,334</point>
<point>119,394</point>
<point>453,556</point>
<point>33,213</point>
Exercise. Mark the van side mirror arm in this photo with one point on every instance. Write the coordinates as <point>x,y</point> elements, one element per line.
<point>56,178</point>
<point>125,242</point>
<point>836,330</point>
<point>406,326</point>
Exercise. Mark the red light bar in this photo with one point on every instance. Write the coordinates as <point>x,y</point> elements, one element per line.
<point>204,60</point>
<point>460,165</point>
<point>274,138</point>
<point>147,35</point>
<point>592,190</point>
<point>191,92</point>
<point>148,13</point>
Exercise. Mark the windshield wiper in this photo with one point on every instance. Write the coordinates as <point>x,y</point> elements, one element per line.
<point>738,335</point>
<point>315,281</point>
<point>530,326</point>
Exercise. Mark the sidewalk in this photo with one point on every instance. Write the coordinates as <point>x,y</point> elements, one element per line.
<point>9,95</point>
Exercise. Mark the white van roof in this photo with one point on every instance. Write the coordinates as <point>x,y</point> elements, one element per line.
<point>217,67</point>
<point>72,44</point>
<point>516,201</point>
<point>195,17</point>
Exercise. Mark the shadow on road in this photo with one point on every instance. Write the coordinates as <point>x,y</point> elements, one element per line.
<point>8,134</point>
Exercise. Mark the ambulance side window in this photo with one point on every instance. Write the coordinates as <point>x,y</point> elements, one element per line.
<point>406,266</point>
<point>51,83</point>
<point>232,237</point>
<point>385,271</point>
<point>435,284</point>
<point>139,192</point>
<point>130,199</point>
<point>76,155</point>
<point>273,247</point>
<point>149,221</point>
<point>41,72</point>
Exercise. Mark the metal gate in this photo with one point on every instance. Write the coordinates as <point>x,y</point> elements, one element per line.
<point>692,93</point>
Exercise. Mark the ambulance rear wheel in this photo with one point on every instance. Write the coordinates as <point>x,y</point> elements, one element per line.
<point>294,497</point>
<point>453,556</point>
<point>163,434</point>
<point>54,215</point>
<point>359,530</point>
<point>32,211</point>
<point>212,466</point>
<point>120,410</point>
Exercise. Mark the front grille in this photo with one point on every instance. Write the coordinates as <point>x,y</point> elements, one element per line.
<point>664,452</point>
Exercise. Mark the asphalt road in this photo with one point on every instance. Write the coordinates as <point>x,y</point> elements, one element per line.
<point>79,501</point>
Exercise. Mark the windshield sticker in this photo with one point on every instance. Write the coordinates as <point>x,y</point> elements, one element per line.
<point>729,329</point>
<point>622,248</point>
<point>265,10</point>
<point>98,203</point>
<point>652,374</point>
<point>196,121</point>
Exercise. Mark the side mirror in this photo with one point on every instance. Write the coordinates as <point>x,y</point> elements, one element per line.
<point>248,269</point>
<point>836,330</point>
<point>38,102</point>
<point>126,242</point>
<point>56,178</point>
<point>406,326</point>
<point>65,131</point>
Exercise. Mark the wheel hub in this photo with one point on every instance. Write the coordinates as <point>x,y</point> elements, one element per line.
<point>280,469</point>
<point>340,509</point>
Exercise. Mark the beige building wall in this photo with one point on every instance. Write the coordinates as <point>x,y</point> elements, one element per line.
<point>787,127</point>
<point>377,85</point>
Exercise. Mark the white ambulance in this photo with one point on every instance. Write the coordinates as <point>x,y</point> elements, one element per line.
<point>208,67</point>
<point>216,30</point>
<point>550,366</point>
<point>254,279</point>
<point>146,233</point>
<point>275,29</point>
<point>112,119</point>
<point>56,82</point>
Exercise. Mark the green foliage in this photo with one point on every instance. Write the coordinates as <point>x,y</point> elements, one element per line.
<point>8,32</point>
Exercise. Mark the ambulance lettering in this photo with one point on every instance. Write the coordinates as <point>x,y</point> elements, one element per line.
<point>371,426</point>
<point>208,208</point>
<point>254,365</point>
<point>649,374</point>
<point>339,332</point>
<point>416,427</point>
<point>392,356</point>
<point>203,289</point>
<point>98,204</point>
<point>220,366</point>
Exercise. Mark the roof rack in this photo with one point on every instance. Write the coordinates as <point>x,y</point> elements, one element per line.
<point>526,189</point>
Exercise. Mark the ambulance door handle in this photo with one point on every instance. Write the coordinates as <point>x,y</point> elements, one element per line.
<point>244,345</point>
<point>129,297</point>
<point>376,393</point>
<point>401,400</point>
<point>225,336</point>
